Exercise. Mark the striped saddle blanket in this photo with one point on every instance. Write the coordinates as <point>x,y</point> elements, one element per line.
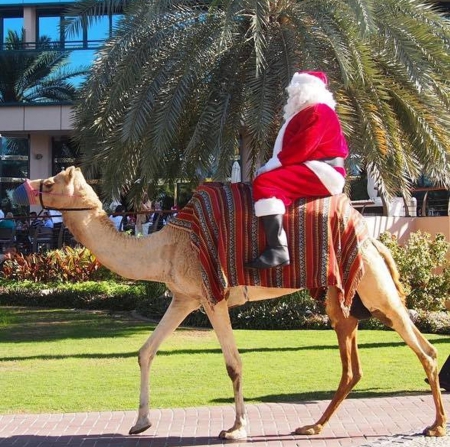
<point>325,237</point>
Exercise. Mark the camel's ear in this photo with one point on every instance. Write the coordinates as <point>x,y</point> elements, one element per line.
<point>70,173</point>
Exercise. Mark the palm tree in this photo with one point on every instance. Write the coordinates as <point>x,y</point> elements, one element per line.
<point>181,84</point>
<point>35,75</point>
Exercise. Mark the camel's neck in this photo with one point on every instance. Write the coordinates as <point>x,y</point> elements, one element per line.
<point>131,257</point>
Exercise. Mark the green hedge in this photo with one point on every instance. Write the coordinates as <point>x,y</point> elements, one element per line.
<point>296,311</point>
<point>86,295</point>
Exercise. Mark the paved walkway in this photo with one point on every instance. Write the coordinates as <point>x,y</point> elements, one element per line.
<point>375,422</point>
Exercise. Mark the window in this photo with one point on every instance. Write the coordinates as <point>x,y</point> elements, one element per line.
<point>10,23</point>
<point>14,167</point>
<point>64,154</point>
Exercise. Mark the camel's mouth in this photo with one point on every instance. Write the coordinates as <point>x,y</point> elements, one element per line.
<point>25,195</point>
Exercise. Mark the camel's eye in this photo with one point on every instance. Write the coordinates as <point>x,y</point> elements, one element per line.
<point>48,185</point>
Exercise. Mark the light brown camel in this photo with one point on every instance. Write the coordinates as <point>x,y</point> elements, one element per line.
<point>167,256</point>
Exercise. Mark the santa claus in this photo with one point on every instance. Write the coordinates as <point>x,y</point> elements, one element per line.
<point>307,161</point>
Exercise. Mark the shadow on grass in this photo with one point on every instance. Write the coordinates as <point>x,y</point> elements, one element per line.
<point>312,396</point>
<point>41,325</point>
<point>19,324</point>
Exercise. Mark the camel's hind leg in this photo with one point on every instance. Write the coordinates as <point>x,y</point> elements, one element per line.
<point>346,330</point>
<point>379,295</point>
<point>220,320</point>
<point>179,309</point>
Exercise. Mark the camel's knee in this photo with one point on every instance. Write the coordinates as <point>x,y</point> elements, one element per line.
<point>351,378</point>
<point>356,377</point>
<point>432,353</point>
<point>144,357</point>
<point>234,370</point>
<point>429,363</point>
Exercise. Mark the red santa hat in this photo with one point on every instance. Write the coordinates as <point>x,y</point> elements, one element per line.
<point>305,89</point>
<point>310,77</point>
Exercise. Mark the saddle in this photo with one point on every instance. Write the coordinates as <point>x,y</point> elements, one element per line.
<point>325,237</point>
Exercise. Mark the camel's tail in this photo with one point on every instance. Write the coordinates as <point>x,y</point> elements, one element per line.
<point>389,260</point>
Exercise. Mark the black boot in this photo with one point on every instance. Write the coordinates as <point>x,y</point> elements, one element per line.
<point>276,252</point>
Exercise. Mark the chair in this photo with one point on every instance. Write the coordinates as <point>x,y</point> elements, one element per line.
<point>57,228</point>
<point>7,237</point>
<point>65,237</point>
<point>42,239</point>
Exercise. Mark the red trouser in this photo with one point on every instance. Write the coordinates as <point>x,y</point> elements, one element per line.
<point>289,183</point>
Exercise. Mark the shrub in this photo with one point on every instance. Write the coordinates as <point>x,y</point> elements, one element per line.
<point>424,269</point>
<point>68,264</point>
<point>295,311</point>
<point>83,295</point>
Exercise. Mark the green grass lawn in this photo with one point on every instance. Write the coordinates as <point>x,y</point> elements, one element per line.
<point>70,361</point>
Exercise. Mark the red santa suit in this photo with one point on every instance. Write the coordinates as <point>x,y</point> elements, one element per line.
<point>303,163</point>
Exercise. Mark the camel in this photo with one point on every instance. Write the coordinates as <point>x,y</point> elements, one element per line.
<point>167,256</point>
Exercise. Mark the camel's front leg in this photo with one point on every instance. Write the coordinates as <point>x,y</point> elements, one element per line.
<point>220,320</point>
<point>346,329</point>
<point>179,309</point>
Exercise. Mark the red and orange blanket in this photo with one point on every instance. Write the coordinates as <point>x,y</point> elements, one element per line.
<point>325,237</point>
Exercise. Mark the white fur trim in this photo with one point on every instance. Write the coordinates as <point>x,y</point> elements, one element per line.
<point>329,177</point>
<point>272,164</point>
<point>305,78</point>
<point>275,162</point>
<point>268,207</point>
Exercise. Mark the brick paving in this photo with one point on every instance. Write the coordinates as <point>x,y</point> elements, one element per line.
<point>374,422</point>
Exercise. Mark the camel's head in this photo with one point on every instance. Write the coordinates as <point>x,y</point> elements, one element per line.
<point>65,191</point>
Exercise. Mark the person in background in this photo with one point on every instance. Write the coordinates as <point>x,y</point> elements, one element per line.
<point>117,219</point>
<point>158,217</point>
<point>8,222</point>
<point>142,217</point>
<point>2,214</point>
<point>47,220</point>
<point>34,220</point>
<point>307,161</point>
<point>174,209</point>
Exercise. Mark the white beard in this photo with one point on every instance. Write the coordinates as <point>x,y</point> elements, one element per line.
<point>305,95</point>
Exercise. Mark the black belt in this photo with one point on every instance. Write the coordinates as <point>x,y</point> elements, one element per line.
<point>335,162</point>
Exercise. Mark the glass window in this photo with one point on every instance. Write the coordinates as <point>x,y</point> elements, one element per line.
<point>100,30</point>
<point>49,27</point>
<point>64,154</point>
<point>74,40</point>
<point>78,59</point>
<point>14,167</point>
<point>13,24</point>
<point>33,2</point>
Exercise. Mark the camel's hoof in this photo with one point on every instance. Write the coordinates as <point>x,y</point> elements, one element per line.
<point>435,431</point>
<point>240,433</point>
<point>309,430</point>
<point>139,428</point>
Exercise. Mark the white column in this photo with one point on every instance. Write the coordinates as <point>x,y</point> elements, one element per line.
<point>29,23</point>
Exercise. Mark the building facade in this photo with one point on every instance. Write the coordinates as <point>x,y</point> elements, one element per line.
<point>35,137</point>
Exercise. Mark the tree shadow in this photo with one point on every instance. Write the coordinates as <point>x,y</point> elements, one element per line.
<point>42,325</point>
<point>108,440</point>
<point>114,440</point>
<point>314,396</point>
